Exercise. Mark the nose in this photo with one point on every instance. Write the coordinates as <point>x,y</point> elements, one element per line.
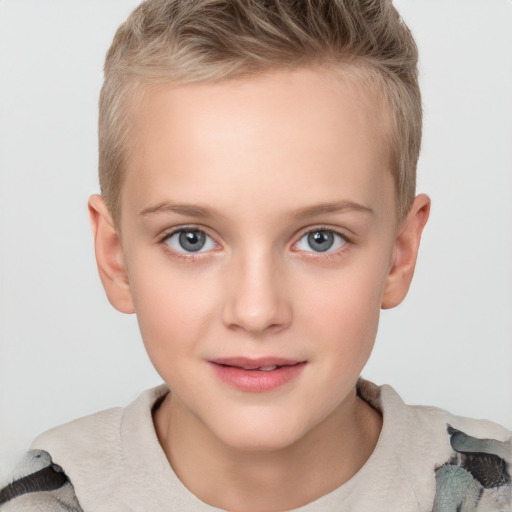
<point>256,300</point>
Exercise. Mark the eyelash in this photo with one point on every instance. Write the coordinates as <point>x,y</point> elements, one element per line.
<point>324,256</point>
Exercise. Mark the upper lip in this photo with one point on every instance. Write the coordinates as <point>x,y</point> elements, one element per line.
<point>248,363</point>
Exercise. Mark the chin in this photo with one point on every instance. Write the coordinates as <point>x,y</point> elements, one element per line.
<point>260,436</point>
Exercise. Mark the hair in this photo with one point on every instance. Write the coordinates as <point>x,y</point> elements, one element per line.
<point>191,41</point>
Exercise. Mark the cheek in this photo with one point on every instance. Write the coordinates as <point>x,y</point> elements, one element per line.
<point>344,309</point>
<point>174,310</point>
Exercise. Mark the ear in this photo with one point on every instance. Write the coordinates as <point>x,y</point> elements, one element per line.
<point>109,256</point>
<point>405,253</point>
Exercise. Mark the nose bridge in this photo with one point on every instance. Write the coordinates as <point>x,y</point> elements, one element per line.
<point>256,299</point>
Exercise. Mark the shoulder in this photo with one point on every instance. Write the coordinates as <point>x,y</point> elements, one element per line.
<point>433,425</point>
<point>100,453</point>
<point>87,435</point>
<point>38,484</point>
<point>91,438</point>
<point>454,460</point>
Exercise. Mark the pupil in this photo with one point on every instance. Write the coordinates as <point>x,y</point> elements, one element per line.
<point>192,240</point>
<point>321,240</point>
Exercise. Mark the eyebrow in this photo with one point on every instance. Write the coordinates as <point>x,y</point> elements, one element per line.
<point>190,210</point>
<point>198,211</point>
<point>336,207</point>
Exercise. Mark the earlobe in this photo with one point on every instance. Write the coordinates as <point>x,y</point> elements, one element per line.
<point>109,256</point>
<point>406,252</point>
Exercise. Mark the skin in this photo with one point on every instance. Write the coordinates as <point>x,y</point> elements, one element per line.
<point>258,154</point>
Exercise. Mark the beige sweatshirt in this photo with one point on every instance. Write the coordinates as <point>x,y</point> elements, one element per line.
<point>425,460</point>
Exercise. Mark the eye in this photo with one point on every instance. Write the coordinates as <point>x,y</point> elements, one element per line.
<point>189,241</point>
<point>321,240</point>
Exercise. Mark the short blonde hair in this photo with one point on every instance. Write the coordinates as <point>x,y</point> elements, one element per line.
<point>187,41</point>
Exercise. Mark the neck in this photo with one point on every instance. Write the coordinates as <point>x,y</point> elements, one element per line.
<point>249,481</point>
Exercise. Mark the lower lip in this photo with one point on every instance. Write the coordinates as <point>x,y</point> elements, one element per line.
<point>257,381</point>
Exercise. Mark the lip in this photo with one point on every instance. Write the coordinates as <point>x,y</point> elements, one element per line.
<point>243,374</point>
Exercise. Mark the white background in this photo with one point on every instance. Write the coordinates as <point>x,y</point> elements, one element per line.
<point>64,352</point>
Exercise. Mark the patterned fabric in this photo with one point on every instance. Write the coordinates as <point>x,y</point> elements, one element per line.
<point>476,478</point>
<point>38,485</point>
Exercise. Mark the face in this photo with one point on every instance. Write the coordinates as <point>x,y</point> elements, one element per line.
<point>258,231</point>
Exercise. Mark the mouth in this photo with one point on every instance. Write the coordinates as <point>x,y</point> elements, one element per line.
<point>257,375</point>
<point>262,364</point>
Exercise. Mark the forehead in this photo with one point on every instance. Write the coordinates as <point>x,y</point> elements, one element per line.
<point>303,134</point>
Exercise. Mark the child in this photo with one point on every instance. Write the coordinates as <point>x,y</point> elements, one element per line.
<point>257,171</point>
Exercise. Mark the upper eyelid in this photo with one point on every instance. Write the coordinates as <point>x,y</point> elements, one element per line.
<point>166,233</point>
<point>346,238</point>
<point>338,231</point>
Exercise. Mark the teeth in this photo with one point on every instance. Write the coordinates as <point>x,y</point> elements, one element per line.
<point>267,368</point>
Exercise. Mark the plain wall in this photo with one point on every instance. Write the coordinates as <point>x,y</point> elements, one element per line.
<point>64,351</point>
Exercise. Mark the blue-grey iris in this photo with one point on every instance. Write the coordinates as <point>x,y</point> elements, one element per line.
<point>192,241</point>
<point>321,241</point>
